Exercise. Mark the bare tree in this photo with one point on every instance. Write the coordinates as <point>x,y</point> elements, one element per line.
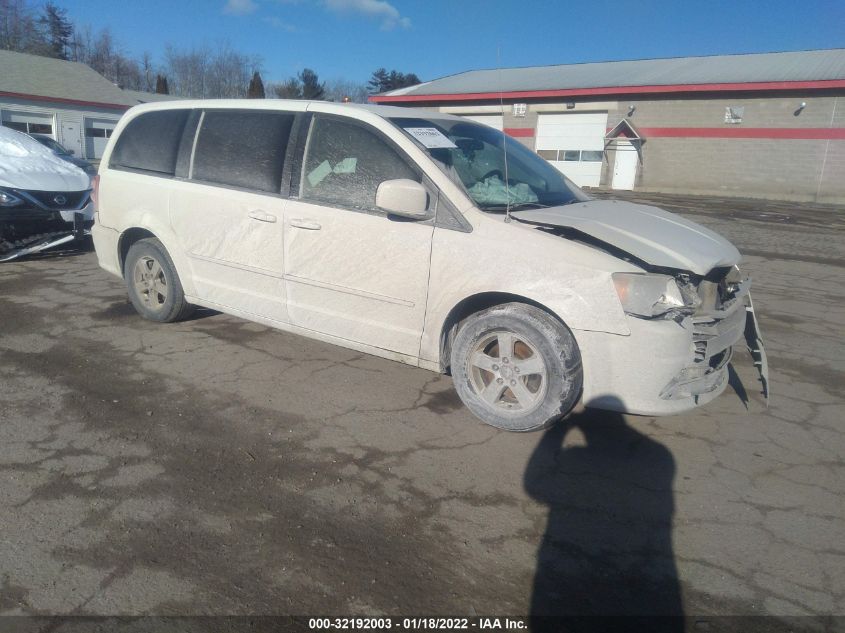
<point>187,71</point>
<point>147,72</point>
<point>19,29</point>
<point>345,90</point>
<point>224,73</point>
<point>80,43</point>
<point>102,54</point>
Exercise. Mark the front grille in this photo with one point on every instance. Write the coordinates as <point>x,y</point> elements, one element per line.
<point>59,199</point>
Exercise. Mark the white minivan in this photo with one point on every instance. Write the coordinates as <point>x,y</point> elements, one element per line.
<point>423,238</point>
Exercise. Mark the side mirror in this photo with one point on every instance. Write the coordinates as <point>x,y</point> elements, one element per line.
<point>403,197</point>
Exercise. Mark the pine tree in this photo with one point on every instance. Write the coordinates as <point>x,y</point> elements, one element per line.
<point>311,86</point>
<point>378,81</point>
<point>382,81</point>
<point>161,85</point>
<point>256,87</point>
<point>58,30</point>
<point>289,89</point>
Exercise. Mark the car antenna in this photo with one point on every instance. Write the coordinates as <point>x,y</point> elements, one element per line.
<point>505,140</point>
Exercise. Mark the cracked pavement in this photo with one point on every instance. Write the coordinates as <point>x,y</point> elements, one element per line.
<point>217,466</point>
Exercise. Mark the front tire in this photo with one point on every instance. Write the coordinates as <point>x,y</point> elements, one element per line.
<point>154,287</point>
<point>516,367</point>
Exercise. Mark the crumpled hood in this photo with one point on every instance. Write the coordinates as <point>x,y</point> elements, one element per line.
<point>27,164</point>
<point>653,235</point>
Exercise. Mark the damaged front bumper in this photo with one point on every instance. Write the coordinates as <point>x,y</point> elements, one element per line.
<point>32,233</point>
<point>714,336</point>
<point>754,341</point>
<point>668,366</point>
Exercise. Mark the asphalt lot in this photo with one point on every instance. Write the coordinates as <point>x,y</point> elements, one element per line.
<point>217,466</point>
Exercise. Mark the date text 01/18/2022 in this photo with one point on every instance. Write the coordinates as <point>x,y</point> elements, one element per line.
<point>418,623</point>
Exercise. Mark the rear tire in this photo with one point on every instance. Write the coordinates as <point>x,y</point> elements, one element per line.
<point>516,367</point>
<point>154,287</point>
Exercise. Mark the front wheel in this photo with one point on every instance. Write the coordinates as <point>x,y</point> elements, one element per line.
<point>516,367</point>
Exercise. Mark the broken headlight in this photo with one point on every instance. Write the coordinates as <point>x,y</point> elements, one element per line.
<point>650,295</point>
<point>7,199</point>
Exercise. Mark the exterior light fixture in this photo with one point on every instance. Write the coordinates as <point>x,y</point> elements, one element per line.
<point>570,105</point>
<point>631,109</point>
<point>800,109</point>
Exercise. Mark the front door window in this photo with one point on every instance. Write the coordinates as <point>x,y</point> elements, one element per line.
<point>345,163</point>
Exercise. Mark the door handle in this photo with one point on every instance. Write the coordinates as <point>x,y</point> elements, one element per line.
<point>262,216</point>
<point>310,225</point>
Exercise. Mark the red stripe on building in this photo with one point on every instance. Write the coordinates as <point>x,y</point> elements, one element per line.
<point>618,90</point>
<point>795,133</point>
<point>519,132</point>
<point>114,106</point>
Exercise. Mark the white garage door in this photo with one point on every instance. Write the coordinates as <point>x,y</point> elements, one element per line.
<point>574,143</point>
<point>493,120</point>
<point>29,122</point>
<point>97,133</point>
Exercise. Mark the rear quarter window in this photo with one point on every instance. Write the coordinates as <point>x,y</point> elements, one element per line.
<point>242,149</point>
<point>150,142</point>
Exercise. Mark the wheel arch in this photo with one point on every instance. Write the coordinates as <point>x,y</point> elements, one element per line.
<point>127,239</point>
<point>476,303</point>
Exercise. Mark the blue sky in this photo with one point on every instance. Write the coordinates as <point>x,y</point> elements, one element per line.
<point>351,38</point>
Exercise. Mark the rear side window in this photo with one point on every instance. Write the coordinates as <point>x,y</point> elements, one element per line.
<point>242,149</point>
<point>150,142</point>
<point>345,163</point>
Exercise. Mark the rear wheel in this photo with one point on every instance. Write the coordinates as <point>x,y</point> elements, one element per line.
<point>154,287</point>
<point>516,368</point>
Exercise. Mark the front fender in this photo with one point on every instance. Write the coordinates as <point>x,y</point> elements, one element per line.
<point>570,280</point>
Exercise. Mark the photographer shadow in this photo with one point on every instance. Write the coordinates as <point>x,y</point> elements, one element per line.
<point>607,549</point>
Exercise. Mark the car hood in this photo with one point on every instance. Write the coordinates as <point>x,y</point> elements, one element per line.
<point>650,234</point>
<point>26,164</point>
<point>76,180</point>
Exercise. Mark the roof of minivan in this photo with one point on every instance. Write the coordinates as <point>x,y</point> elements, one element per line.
<point>383,111</point>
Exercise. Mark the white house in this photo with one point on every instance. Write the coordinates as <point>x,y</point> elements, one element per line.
<point>67,101</point>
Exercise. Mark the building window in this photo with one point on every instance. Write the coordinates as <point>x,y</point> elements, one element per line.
<point>572,155</point>
<point>97,132</point>
<point>29,127</point>
<point>733,114</point>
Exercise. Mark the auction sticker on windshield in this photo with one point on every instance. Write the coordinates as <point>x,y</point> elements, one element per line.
<point>431,137</point>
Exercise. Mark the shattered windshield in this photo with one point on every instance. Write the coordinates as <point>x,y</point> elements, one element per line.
<point>473,155</point>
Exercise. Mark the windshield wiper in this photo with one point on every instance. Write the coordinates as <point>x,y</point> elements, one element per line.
<point>515,207</point>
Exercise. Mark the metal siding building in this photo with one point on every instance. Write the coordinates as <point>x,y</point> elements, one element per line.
<point>728,125</point>
<point>66,101</point>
